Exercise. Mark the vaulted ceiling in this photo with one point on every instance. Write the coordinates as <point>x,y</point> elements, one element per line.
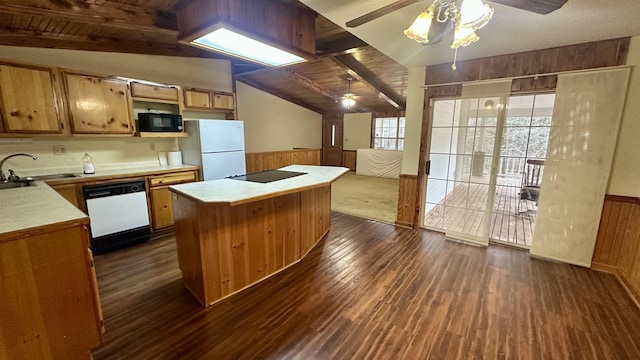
<point>150,27</point>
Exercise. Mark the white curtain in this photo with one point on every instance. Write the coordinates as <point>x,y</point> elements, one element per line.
<point>586,119</point>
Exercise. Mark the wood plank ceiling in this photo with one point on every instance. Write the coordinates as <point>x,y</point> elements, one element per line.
<point>149,27</point>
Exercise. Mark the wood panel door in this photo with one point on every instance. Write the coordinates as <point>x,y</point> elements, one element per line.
<point>332,126</point>
<point>29,100</point>
<point>98,105</point>
<point>161,208</point>
<point>223,101</point>
<point>197,100</point>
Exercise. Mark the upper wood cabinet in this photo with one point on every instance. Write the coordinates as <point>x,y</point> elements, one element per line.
<point>195,99</point>
<point>29,103</point>
<point>98,105</point>
<point>223,101</point>
<point>158,93</point>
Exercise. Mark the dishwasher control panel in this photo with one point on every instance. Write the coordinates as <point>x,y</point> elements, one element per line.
<point>112,189</point>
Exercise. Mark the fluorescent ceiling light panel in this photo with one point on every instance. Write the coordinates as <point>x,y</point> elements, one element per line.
<point>232,43</point>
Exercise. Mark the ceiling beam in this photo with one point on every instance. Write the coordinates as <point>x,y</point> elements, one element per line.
<point>110,13</point>
<point>396,5</point>
<point>279,94</point>
<point>309,84</point>
<point>33,39</point>
<point>342,44</point>
<point>360,72</point>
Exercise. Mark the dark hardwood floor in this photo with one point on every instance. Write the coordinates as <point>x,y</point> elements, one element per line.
<point>371,291</point>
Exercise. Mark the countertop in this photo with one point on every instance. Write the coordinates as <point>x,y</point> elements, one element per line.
<point>34,206</point>
<point>236,192</point>
<point>26,209</point>
<point>116,173</point>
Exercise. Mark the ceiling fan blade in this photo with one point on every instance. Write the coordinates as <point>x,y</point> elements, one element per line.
<point>380,12</point>
<point>536,6</point>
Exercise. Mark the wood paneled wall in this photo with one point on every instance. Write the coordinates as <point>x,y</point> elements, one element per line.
<point>349,159</point>
<point>618,244</point>
<point>591,55</point>
<point>408,195</point>
<point>262,161</point>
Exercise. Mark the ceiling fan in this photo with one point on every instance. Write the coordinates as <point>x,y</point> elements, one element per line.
<point>463,17</point>
<point>536,6</point>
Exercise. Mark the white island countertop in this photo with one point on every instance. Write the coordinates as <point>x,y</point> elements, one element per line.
<point>235,192</point>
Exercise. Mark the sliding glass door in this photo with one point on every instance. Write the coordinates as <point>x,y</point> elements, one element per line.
<point>483,152</point>
<point>462,147</point>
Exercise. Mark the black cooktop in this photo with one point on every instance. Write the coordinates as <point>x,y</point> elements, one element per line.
<point>267,176</point>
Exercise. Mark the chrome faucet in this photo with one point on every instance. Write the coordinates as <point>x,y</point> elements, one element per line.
<point>4,178</point>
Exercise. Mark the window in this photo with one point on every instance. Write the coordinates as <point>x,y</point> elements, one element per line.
<point>389,133</point>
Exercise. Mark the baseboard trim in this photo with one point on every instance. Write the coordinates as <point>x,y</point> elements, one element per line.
<point>604,267</point>
<point>635,296</point>
<point>403,224</point>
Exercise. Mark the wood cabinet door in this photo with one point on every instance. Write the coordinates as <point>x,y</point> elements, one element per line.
<point>98,105</point>
<point>161,208</point>
<point>155,92</point>
<point>29,100</point>
<point>196,99</point>
<point>223,102</point>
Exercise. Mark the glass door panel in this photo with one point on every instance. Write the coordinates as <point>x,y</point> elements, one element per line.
<point>523,148</point>
<point>459,185</point>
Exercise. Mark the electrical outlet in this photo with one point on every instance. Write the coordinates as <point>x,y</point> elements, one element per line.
<point>59,150</point>
<point>152,146</point>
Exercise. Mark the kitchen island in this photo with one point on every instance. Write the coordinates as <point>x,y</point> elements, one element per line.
<point>231,234</point>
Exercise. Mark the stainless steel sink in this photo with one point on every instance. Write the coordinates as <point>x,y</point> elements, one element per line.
<point>16,184</point>
<point>51,177</point>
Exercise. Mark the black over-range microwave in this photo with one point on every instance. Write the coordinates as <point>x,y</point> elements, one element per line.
<point>159,122</point>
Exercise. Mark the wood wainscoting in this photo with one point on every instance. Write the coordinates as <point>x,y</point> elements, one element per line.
<point>408,195</point>
<point>261,161</point>
<point>349,159</point>
<point>618,244</point>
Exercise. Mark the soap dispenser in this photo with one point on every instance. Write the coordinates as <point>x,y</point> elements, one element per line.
<point>87,164</point>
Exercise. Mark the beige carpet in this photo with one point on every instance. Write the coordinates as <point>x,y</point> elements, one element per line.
<point>365,196</point>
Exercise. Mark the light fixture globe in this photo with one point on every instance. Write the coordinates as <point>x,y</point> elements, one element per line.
<point>419,30</point>
<point>465,16</point>
<point>349,99</point>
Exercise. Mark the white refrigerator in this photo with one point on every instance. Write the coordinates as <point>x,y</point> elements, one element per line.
<point>216,146</point>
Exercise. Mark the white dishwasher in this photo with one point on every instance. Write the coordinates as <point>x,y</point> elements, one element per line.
<point>119,214</point>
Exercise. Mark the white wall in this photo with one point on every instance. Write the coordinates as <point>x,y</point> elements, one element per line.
<point>211,74</point>
<point>625,172</point>
<point>357,131</point>
<point>273,124</point>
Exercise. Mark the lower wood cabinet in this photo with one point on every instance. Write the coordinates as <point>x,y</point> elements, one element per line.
<point>161,208</point>
<point>49,295</point>
<point>160,196</point>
